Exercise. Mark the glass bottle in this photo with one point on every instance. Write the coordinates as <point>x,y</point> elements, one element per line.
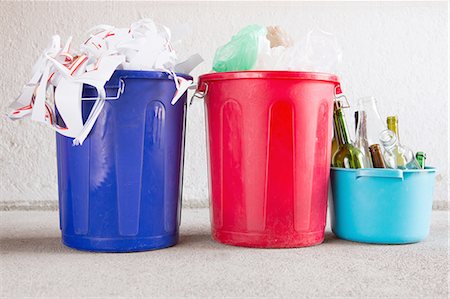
<point>395,155</point>
<point>421,157</point>
<point>377,156</point>
<point>374,123</point>
<point>361,141</point>
<point>347,155</point>
<point>334,143</point>
<point>392,124</point>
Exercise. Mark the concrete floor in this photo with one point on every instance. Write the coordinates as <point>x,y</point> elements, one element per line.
<point>35,264</point>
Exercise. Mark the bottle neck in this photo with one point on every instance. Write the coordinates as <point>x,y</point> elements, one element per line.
<point>361,125</point>
<point>343,136</point>
<point>389,140</point>
<point>377,158</point>
<point>421,157</point>
<point>375,123</point>
<point>392,124</point>
<point>337,133</point>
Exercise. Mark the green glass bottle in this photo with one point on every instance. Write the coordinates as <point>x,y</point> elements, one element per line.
<point>347,156</point>
<point>421,157</point>
<point>334,142</point>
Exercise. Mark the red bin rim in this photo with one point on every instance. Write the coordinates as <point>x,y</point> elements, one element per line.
<point>265,75</point>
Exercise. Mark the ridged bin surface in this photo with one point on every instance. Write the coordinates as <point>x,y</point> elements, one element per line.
<point>121,190</point>
<point>388,206</point>
<point>269,138</point>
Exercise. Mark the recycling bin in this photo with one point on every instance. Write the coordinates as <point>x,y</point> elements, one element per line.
<point>384,206</point>
<point>121,190</point>
<point>269,137</point>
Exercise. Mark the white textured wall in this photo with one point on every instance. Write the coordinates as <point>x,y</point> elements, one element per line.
<point>395,51</point>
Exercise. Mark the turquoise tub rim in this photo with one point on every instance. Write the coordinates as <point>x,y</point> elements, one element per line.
<point>385,170</point>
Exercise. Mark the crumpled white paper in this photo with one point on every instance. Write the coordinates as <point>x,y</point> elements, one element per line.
<point>59,74</point>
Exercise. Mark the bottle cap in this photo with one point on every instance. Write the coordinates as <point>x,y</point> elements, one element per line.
<point>375,148</point>
<point>392,119</point>
<point>421,154</point>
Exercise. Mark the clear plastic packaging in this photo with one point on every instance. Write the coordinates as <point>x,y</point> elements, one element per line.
<point>259,48</point>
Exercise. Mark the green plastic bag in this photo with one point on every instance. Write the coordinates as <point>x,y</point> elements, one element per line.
<point>240,53</point>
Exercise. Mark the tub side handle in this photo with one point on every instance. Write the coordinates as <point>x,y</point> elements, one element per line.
<point>380,173</point>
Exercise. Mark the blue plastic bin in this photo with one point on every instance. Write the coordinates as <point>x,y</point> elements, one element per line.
<point>388,206</point>
<point>121,190</point>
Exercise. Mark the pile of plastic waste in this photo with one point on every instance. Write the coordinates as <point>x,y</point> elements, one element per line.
<point>257,47</point>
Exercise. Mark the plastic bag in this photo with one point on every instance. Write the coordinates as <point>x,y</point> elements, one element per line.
<point>241,52</point>
<point>321,53</point>
<point>251,49</point>
<point>276,58</point>
<point>278,37</point>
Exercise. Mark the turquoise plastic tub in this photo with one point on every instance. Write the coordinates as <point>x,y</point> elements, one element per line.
<point>387,206</point>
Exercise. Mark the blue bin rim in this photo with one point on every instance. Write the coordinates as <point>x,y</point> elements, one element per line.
<point>147,74</point>
<point>114,81</point>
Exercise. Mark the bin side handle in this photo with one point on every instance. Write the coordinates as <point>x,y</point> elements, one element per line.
<point>120,90</point>
<point>200,92</point>
<point>381,173</point>
<point>339,95</point>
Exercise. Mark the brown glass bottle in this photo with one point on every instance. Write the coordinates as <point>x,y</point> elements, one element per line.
<point>377,157</point>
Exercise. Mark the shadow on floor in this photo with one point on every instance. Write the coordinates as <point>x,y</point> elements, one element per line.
<point>33,245</point>
<point>330,237</point>
<point>197,240</point>
<point>204,240</point>
<point>54,244</point>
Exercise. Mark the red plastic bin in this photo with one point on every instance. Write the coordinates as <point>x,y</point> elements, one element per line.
<point>269,137</point>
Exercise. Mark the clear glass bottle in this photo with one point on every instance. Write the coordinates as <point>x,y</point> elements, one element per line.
<point>361,141</point>
<point>347,156</point>
<point>374,123</point>
<point>395,155</point>
<point>392,124</point>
